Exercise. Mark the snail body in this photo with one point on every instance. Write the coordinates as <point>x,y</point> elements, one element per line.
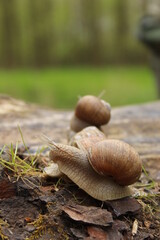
<point>77,124</point>
<point>76,162</point>
<point>90,111</point>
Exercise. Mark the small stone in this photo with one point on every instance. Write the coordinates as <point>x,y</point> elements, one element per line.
<point>30,228</point>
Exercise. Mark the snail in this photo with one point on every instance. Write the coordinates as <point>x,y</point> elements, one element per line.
<point>90,111</point>
<point>102,167</point>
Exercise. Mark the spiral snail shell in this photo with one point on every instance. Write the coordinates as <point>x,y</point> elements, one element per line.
<point>90,111</point>
<point>98,165</point>
<point>116,159</point>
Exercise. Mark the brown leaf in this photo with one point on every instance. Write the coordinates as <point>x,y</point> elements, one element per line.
<point>124,206</point>
<point>99,234</point>
<point>120,225</point>
<point>96,233</point>
<point>115,231</point>
<point>79,233</point>
<point>86,214</point>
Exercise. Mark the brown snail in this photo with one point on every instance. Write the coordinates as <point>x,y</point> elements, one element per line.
<point>90,111</point>
<point>121,164</point>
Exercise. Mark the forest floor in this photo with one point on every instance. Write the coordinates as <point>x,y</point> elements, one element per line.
<point>33,206</point>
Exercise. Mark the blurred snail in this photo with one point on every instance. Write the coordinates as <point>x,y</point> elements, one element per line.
<point>101,167</point>
<point>90,111</point>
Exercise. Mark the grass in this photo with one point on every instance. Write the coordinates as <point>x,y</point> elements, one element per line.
<point>150,197</point>
<point>18,167</point>
<point>60,87</point>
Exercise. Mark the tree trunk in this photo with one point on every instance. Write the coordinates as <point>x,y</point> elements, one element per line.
<point>90,21</point>
<point>121,29</point>
<point>41,19</point>
<point>10,33</point>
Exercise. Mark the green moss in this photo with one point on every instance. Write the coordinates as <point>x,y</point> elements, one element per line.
<point>3,223</point>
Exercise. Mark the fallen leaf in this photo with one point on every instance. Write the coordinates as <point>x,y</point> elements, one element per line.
<point>124,206</point>
<point>120,225</point>
<point>78,233</point>
<point>114,234</point>
<point>96,233</point>
<point>110,233</point>
<point>86,214</point>
<point>117,231</point>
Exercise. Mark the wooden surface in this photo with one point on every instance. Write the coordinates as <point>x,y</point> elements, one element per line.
<point>138,125</point>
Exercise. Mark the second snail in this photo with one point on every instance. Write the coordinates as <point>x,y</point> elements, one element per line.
<point>90,111</point>
<point>101,167</point>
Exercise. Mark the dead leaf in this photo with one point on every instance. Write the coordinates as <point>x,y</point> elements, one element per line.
<point>96,233</point>
<point>124,206</point>
<point>117,231</point>
<point>79,233</point>
<point>86,214</point>
<point>120,225</point>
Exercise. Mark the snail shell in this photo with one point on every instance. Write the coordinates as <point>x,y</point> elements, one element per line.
<point>109,157</point>
<point>116,159</point>
<point>87,137</point>
<point>90,110</point>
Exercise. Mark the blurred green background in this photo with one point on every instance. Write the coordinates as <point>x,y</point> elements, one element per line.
<point>53,51</point>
